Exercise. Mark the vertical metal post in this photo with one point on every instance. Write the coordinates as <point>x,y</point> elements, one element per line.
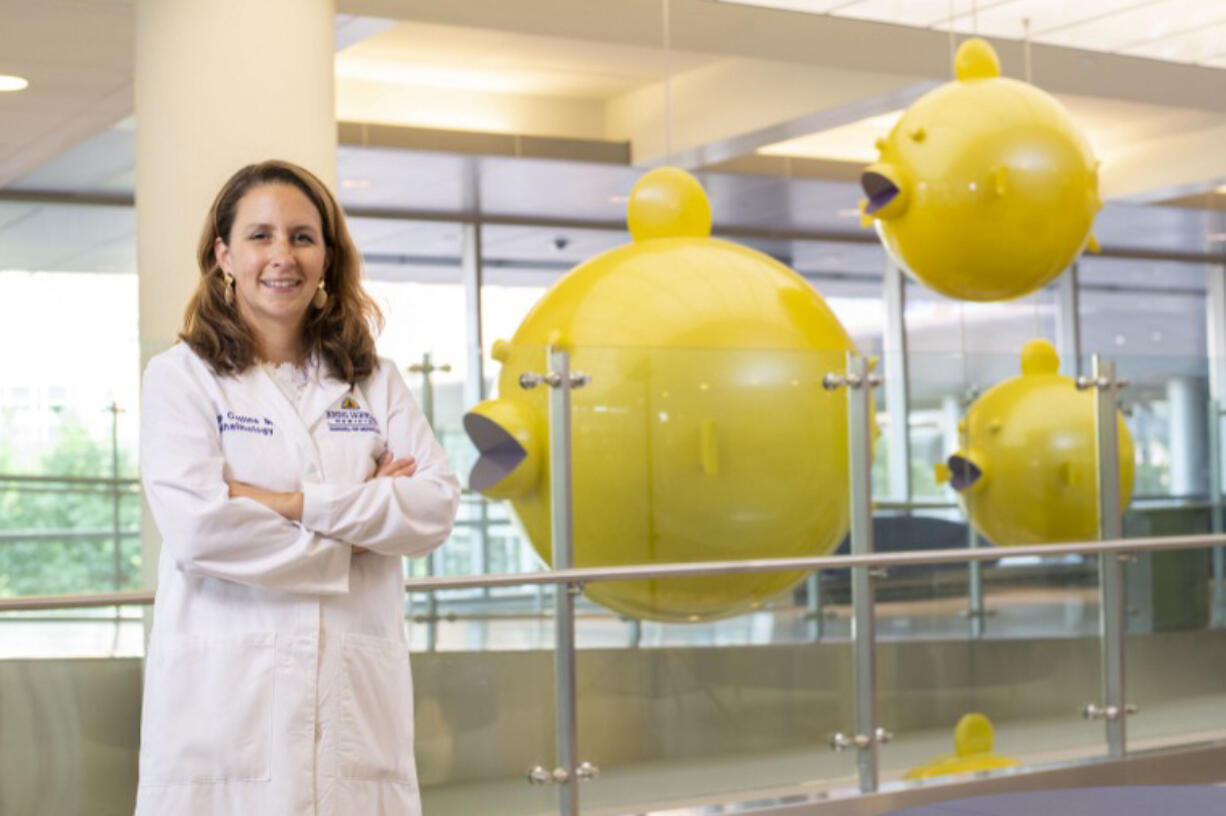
<point>426,368</point>
<point>472,273</point>
<point>116,549</point>
<point>897,398</point>
<point>975,611</point>
<point>433,566</point>
<point>1068,323</point>
<point>863,625</point>
<point>562,524</point>
<point>1111,567</point>
<point>117,535</point>
<point>813,606</point>
<point>1217,607</point>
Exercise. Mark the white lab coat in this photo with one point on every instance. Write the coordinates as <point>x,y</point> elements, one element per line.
<point>277,678</point>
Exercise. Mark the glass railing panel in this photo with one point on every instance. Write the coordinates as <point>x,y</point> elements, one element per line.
<point>706,687</point>
<point>1011,641</point>
<point>73,633</point>
<point>1169,671</point>
<point>1174,666</point>
<point>484,719</point>
<point>486,539</point>
<point>695,720</point>
<point>1020,653</point>
<point>77,722</point>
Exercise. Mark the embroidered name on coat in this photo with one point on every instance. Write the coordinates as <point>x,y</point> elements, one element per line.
<point>230,421</point>
<point>351,418</point>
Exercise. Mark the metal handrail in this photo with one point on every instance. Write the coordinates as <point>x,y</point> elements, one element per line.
<point>67,534</point>
<point>91,480</point>
<point>586,575</point>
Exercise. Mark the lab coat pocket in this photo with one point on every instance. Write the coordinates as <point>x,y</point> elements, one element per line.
<point>376,739</point>
<point>208,709</point>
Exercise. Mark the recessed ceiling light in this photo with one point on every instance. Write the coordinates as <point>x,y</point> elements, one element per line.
<point>355,183</point>
<point>848,212</point>
<point>619,199</point>
<point>8,82</point>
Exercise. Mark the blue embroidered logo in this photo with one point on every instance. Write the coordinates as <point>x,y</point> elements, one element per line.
<point>350,417</point>
<point>231,421</point>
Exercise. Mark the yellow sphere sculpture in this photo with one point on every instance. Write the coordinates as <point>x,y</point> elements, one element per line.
<point>1026,470</point>
<point>974,737</point>
<point>704,433</point>
<point>985,189</point>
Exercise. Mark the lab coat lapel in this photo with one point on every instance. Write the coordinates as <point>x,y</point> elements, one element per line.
<point>256,380</point>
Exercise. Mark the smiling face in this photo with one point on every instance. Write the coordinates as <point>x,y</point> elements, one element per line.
<point>276,253</point>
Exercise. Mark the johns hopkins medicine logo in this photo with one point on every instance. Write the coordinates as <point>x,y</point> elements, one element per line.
<point>349,417</point>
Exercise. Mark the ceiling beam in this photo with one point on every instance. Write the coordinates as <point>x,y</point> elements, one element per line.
<point>745,144</point>
<point>725,29</point>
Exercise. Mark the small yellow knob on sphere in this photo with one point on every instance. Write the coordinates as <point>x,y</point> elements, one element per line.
<point>1039,357</point>
<point>668,203</point>
<point>976,59</point>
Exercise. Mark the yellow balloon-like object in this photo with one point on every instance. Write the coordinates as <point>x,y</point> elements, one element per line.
<point>704,434</point>
<point>973,744</point>
<point>985,189</point>
<point>1026,472</point>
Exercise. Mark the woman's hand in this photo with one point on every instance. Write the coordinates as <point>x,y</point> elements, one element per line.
<point>387,466</point>
<point>288,505</point>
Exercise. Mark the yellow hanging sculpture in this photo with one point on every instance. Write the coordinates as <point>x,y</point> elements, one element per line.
<point>985,189</point>
<point>704,432</point>
<point>1026,470</point>
<point>973,743</point>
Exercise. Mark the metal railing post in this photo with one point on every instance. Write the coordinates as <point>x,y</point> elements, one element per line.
<point>1113,709</point>
<point>562,526</point>
<point>868,735</point>
<point>117,548</point>
<point>814,607</point>
<point>1217,606</point>
<point>975,610</point>
<point>426,368</point>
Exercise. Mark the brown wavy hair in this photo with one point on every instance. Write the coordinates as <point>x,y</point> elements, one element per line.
<point>341,334</point>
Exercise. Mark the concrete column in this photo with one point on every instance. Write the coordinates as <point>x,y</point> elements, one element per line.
<point>1187,406</point>
<point>218,84</point>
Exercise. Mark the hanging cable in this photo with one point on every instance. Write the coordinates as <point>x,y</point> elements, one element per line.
<point>667,39</point>
<point>1026,44</point>
<point>953,39</point>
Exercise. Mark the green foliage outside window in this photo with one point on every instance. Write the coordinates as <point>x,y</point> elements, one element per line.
<point>47,565</point>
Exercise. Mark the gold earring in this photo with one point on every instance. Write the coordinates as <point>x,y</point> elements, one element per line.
<point>321,296</point>
<point>229,284</point>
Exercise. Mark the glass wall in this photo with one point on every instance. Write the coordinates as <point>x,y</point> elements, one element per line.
<point>69,509</point>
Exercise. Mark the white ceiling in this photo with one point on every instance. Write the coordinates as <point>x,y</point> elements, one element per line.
<point>1189,31</point>
<point>1110,125</point>
<point>487,60</point>
<point>78,59</point>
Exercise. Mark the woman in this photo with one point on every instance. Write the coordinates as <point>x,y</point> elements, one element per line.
<point>289,471</point>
